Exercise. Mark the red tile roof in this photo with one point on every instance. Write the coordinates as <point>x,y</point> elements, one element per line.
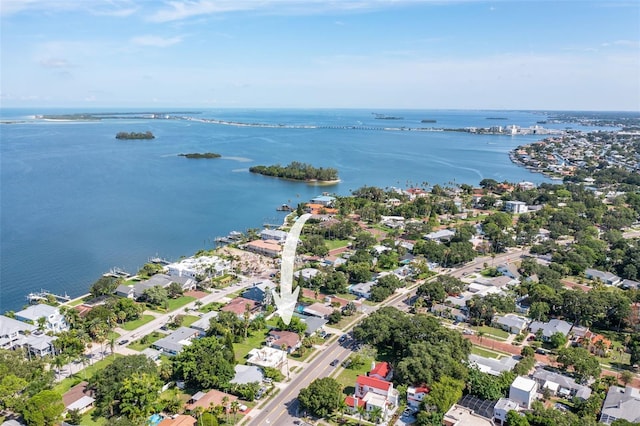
<point>351,402</point>
<point>372,382</point>
<point>238,305</point>
<point>381,369</point>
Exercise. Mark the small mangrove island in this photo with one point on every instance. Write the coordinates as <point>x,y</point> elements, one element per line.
<point>198,155</point>
<point>298,171</point>
<point>135,135</point>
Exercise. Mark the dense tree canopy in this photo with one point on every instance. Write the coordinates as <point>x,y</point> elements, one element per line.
<point>321,397</point>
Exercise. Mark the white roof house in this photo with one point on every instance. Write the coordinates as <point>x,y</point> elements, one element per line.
<point>247,374</point>
<point>54,320</point>
<point>267,357</point>
<point>443,234</point>
<point>621,403</point>
<point>173,343</point>
<point>523,391</point>
<point>502,407</point>
<point>192,267</point>
<point>12,332</point>
<point>550,328</point>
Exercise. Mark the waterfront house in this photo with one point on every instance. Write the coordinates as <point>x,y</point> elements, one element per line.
<point>621,403</point>
<point>325,200</point>
<point>273,234</point>
<point>53,320</point>
<point>174,342</point>
<point>199,267</point>
<point>162,280</point>
<point>40,344</point>
<point>12,332</point>
<point>124,290</point>
<point>268,248</point>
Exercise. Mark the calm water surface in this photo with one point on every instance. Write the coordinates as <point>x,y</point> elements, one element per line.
<point>76,202</point>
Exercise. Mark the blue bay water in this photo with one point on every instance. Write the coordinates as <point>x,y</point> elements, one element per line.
<point>75,201</point>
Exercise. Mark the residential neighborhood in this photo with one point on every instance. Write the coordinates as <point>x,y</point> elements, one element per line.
<point>468,317</point>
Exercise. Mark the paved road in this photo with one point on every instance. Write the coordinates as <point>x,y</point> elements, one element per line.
<point>282,409</point>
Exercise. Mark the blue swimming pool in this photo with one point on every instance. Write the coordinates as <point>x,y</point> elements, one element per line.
<point>154,420</point>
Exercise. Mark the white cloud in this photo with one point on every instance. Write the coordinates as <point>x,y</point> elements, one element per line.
<point>156,41</point>
<point>53,62</point>
<point>183,9</point>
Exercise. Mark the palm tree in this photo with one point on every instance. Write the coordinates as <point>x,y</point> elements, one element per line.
<point>480,335</point>
<point>362,410</point>
<point>375,414</point>
<point>235,407</point>
<point>246,316</point>
<point>225,404</point>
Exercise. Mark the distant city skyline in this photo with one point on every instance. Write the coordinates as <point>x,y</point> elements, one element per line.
<point>544,55</point>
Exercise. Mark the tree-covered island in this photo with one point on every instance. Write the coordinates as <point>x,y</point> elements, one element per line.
<point>298,171</point>
<point>135,135</point>
<point>198,155</point>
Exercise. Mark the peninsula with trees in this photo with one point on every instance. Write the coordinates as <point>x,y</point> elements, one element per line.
<point>135,135</point>
<point>299,171</point>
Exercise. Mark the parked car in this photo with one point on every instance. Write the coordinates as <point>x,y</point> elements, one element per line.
<point>335,362</point>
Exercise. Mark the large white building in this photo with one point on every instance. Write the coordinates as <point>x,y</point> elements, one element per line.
<point>53,320</point>
<point>201,266</point>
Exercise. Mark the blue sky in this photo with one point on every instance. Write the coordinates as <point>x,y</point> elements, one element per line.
<point>321,54</point>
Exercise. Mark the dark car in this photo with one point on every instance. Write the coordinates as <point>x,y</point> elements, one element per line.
<point>335,362</point>
<point>123,342</point>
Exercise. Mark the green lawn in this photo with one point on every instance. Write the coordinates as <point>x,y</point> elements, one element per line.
<point>347,377</point>
<point>89,420</point>
<point>496,333</point>
<point>213,306</point>
<point>150,338</point>
<point>253,341</point>
<point>476,350</point>
<point>132,325</point>
<point>187,320</point>
<point>334,244</point>
<point>180,302</point>
<point>84,374</point>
